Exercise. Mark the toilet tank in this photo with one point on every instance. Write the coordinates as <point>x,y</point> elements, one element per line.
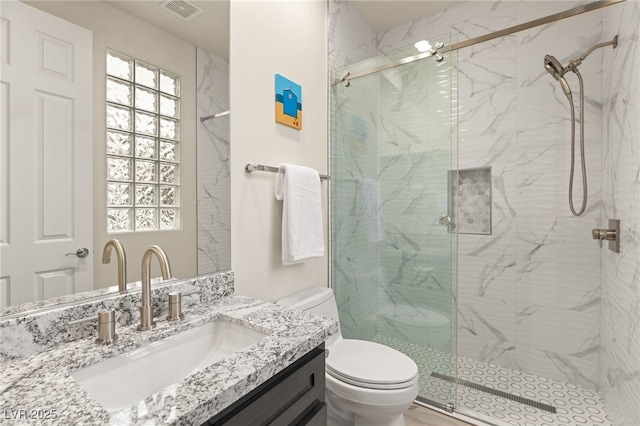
<point>316,300</point>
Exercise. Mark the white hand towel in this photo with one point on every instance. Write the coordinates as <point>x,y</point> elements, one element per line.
<point>302,231</point>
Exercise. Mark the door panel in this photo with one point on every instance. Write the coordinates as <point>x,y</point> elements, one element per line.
<point>46,148</point>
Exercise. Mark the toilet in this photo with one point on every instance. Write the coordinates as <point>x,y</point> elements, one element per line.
<point>367,384</point>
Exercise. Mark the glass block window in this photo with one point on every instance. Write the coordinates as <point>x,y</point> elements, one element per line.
<point>143,146</point>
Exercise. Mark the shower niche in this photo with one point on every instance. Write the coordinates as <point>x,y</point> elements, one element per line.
<point>470,201</point>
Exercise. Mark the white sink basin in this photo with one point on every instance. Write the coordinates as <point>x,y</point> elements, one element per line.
<point>122,381</point>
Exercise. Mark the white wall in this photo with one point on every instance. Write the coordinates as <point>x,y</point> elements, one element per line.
<point>287,38</point>
<point>123,33</point>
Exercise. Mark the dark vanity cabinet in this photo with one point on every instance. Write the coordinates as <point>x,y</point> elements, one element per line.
<point>295,396</point>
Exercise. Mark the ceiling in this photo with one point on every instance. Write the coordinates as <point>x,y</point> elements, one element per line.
<point>210,30</point>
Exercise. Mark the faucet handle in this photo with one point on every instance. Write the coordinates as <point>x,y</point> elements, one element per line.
<point>175,307</point>
<point>106,327</point>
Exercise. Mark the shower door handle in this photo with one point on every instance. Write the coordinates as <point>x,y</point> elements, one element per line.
<point>445,220</point>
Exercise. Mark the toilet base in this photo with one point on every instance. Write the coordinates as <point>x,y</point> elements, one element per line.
<point>349,405</point>
<point>341,413</point>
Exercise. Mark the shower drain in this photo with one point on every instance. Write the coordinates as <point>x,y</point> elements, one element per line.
<point>521,400</point>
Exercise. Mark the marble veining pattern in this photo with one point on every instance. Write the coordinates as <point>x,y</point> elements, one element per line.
<point>540,267</point>
<point>513,118</point>
<point>213,193</point>
<point>620,275</point>
<point>190,401</point>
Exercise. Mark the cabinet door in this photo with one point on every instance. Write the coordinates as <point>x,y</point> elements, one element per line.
<point>293,397</point>
<point>317,416</point>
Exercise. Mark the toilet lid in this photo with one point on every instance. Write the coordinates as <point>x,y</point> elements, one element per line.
<point>370,365</point>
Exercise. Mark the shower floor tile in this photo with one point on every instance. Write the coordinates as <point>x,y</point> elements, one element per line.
<point>575,405</point>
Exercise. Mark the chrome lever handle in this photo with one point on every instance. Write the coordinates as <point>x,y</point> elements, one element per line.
<point>81,252</point>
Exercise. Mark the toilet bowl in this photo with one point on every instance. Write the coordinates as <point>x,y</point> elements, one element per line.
<point>367,384</point>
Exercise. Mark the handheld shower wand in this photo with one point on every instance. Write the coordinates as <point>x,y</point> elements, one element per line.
<point>555,68</point>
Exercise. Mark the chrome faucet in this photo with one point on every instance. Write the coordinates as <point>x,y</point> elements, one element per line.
<point>122,262</point>
<point>146,316</point>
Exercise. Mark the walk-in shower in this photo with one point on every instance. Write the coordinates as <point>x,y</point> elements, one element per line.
<point>450,236</point>
<point>555,68</point>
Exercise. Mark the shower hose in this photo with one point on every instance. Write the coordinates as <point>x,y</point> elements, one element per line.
<point>573,149</point>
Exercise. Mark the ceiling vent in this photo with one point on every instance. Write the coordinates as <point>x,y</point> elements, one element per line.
<point>182,8</point>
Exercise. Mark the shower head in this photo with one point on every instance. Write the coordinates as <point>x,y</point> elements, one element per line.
<point>553,67</point>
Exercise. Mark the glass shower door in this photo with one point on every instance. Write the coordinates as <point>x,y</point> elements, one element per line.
<point>393,147</point>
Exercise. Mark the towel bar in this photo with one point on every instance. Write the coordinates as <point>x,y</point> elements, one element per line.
<point>218,115</point>
<point>260,168</point>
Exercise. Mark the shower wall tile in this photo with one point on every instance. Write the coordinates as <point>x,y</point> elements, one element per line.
<point>620,330</point>
<point>484,74</point>
<point>538,327</point>
<point>214,197</point>
<point>474,19</point>
<point>354,270</point>
<point>547,232</point>
<point>545,284</point>
<point>544,104</point>
<point>486,329</point>
<point>534,44</point>
<point>491,114</point>
<point>491,349</point>
<point>530,10</point>
<point>489,279</point>
<point>351,39</point>
<point>579,368</point>
<point>540,265</point>
<point>355,204</point>
<point>513,117</point>
<point>355,294</point>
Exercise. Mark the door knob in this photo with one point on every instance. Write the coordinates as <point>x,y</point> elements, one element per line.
<point>81,252</point>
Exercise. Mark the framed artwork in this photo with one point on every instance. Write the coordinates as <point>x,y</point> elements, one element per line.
<point>288,102</point>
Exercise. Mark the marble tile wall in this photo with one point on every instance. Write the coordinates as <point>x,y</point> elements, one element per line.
<point>214,196</point>
<point>351,38</point>
<point>355,195</point>
<point>620,323</point>
<point>540,268</point>
<point>413,160</point>
<point>382,255</point>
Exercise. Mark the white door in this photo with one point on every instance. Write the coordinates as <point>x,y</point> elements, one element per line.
<point>45,155</point>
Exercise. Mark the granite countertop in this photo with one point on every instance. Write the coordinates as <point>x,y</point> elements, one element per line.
<point>40,385</point>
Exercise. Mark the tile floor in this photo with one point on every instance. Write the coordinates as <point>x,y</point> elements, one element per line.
<point>575,405</point>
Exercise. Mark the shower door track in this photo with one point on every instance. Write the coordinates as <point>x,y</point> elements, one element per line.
<point>481,39</point>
